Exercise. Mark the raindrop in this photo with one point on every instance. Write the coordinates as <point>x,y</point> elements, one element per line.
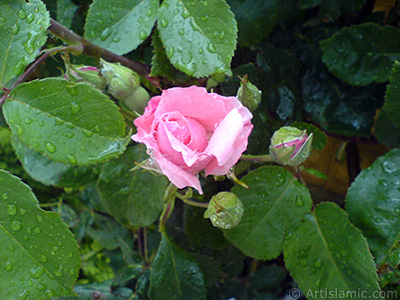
<point>181,32</point>
<point>30,18</point>
<point>185,14</point>
<point>170,52</point>
<point>8,266</point>
<point>36,272</point>
<point>112,16</point>
<point>37,230</point>
<point>221,35</point>
<point>70,254</point>
<point>164,23</point>
<point>389,166</point>
<point>41,123</point>
<point>43,258</point>
<point>29,230</point>
<point>318,263</point>
<point>16,225</point>
<point>299,202</point>
<point>116,40</point>
<point>70,135</point>
<point>24,295</point>
<point>142,35</point>
<point>11,209</point>
<point>49,293</point>
<point>15,29</point>
<point>96,128</point>
<point>75,108</point>
<point>211,48</point>
<point>58,273</point>
<point>18,68</point>
<point>201,50</point>
<point>204,18</point>
<point>30,283</point>
<point>87,133</point>
<point>39,218</point>
<point>105,34</point>
<point>140,20</point>
<point>41,287</point>
<point>149,12</point>
<point>19,130</point>
<point>71,158</point>
<point>5,196</point>
<point>205,3</point>
<point>28,121</point>
<point>50,147</point>
<point>21,13</point>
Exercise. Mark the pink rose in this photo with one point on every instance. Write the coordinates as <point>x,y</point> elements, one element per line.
<point>188,130</point>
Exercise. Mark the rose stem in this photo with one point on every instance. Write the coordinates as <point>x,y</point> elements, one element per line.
<point>257,158</point>
<point>191,202</point>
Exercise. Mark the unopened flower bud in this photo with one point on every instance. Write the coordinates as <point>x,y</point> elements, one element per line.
<point>225,210</point>
<point>121,81</point>
<point>249,94</point>
<point>88,74</point>
<point>137,100</point>
<point>290,146</point>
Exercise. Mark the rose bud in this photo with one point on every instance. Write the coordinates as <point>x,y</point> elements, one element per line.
<point>121,80</point>
<point>225,210</point>
<point>137,100</point>
<point>249,94</point>
<point>88,74</point>
<point>290,146</point>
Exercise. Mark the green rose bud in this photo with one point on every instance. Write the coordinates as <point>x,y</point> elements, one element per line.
<point>137,100</point>
<point>290,146</point>
<point>121,80</point>
<point>88,74</point>
<point>249,94</point>
<point>225,210</point>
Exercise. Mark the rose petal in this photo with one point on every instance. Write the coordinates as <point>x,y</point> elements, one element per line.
<point>193,102</point>
<point>221,145</point>
<point>177,175</point>
<point>145,121</point>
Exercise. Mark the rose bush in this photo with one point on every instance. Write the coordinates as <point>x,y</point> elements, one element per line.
<point>187,130</point>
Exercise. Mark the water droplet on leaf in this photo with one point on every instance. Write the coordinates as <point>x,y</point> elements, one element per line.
<point>16,225</point>
<point>72,159</point>
<point>11,209</point>
<point>50,147</point>
<point>75,108</point>
<point>21,13</point>
<point>164,23</point>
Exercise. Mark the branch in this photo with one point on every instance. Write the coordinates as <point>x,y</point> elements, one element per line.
<point>88,48</point>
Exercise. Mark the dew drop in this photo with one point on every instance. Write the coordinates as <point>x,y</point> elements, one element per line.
<point>299,202</point>
<point>204,18</point>
<point>50,147</point>
<point>16,225</point>
<point>70,135</point>
<point>30,283</point>
<point>5,196</point>
<point>58,273</point>
<point>29,230</point>
<point>22,211</point>
<point>389,166</point>
<point>75,108</point>
<point>19,130</point>
<point>28,121</point>
<point>21,13</point>
<point>8,266</point>
<point>41,287</point>
<point>71,158</point>
<point>142,35</point>
<point>24,295</point>
<point>37,230</point>
<point>105,34</point>
<point>205,3</point>
<point>181,32</point>
<point>201,50</point>
<point>39,218</point>
<point>221,35</point>
<point>211,48</point>
<point>43,258</point>
<point>15,29</point>
<point>70,254</point>
<point>18,68</point>
<point>41,123</point>
<point>164,23</point>
<point>11,209</point>
<point>112,16</point>
<point>149,12</point>
<point>36,272</point>
<point>49,293</point>
<point>116,40</point>
<point>185,14</point>
<point>318,263</point>
<point>170,52</point>
<point>30,18</point>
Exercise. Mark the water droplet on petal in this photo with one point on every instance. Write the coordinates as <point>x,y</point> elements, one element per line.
<point>50,147</point>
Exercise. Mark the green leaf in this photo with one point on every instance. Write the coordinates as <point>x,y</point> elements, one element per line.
<point>281,89</point>
<point>362,54</point>
<point>324,251</point>
<point>199,36</point>
<point>332,10</point>
<point>120,26</point>
<point>65,12</point>
<point>23,31</point>
<point>174,274</point>
<point>373,204</point>
<point>392,99</point>
<point>255,18</point>
<point>39,255</point>
<point>386,132</point>
<point>49,172</point>
<point>132,197</point>
<point>319,139</point>
<point>274,200</point>
<point>69,123</point>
